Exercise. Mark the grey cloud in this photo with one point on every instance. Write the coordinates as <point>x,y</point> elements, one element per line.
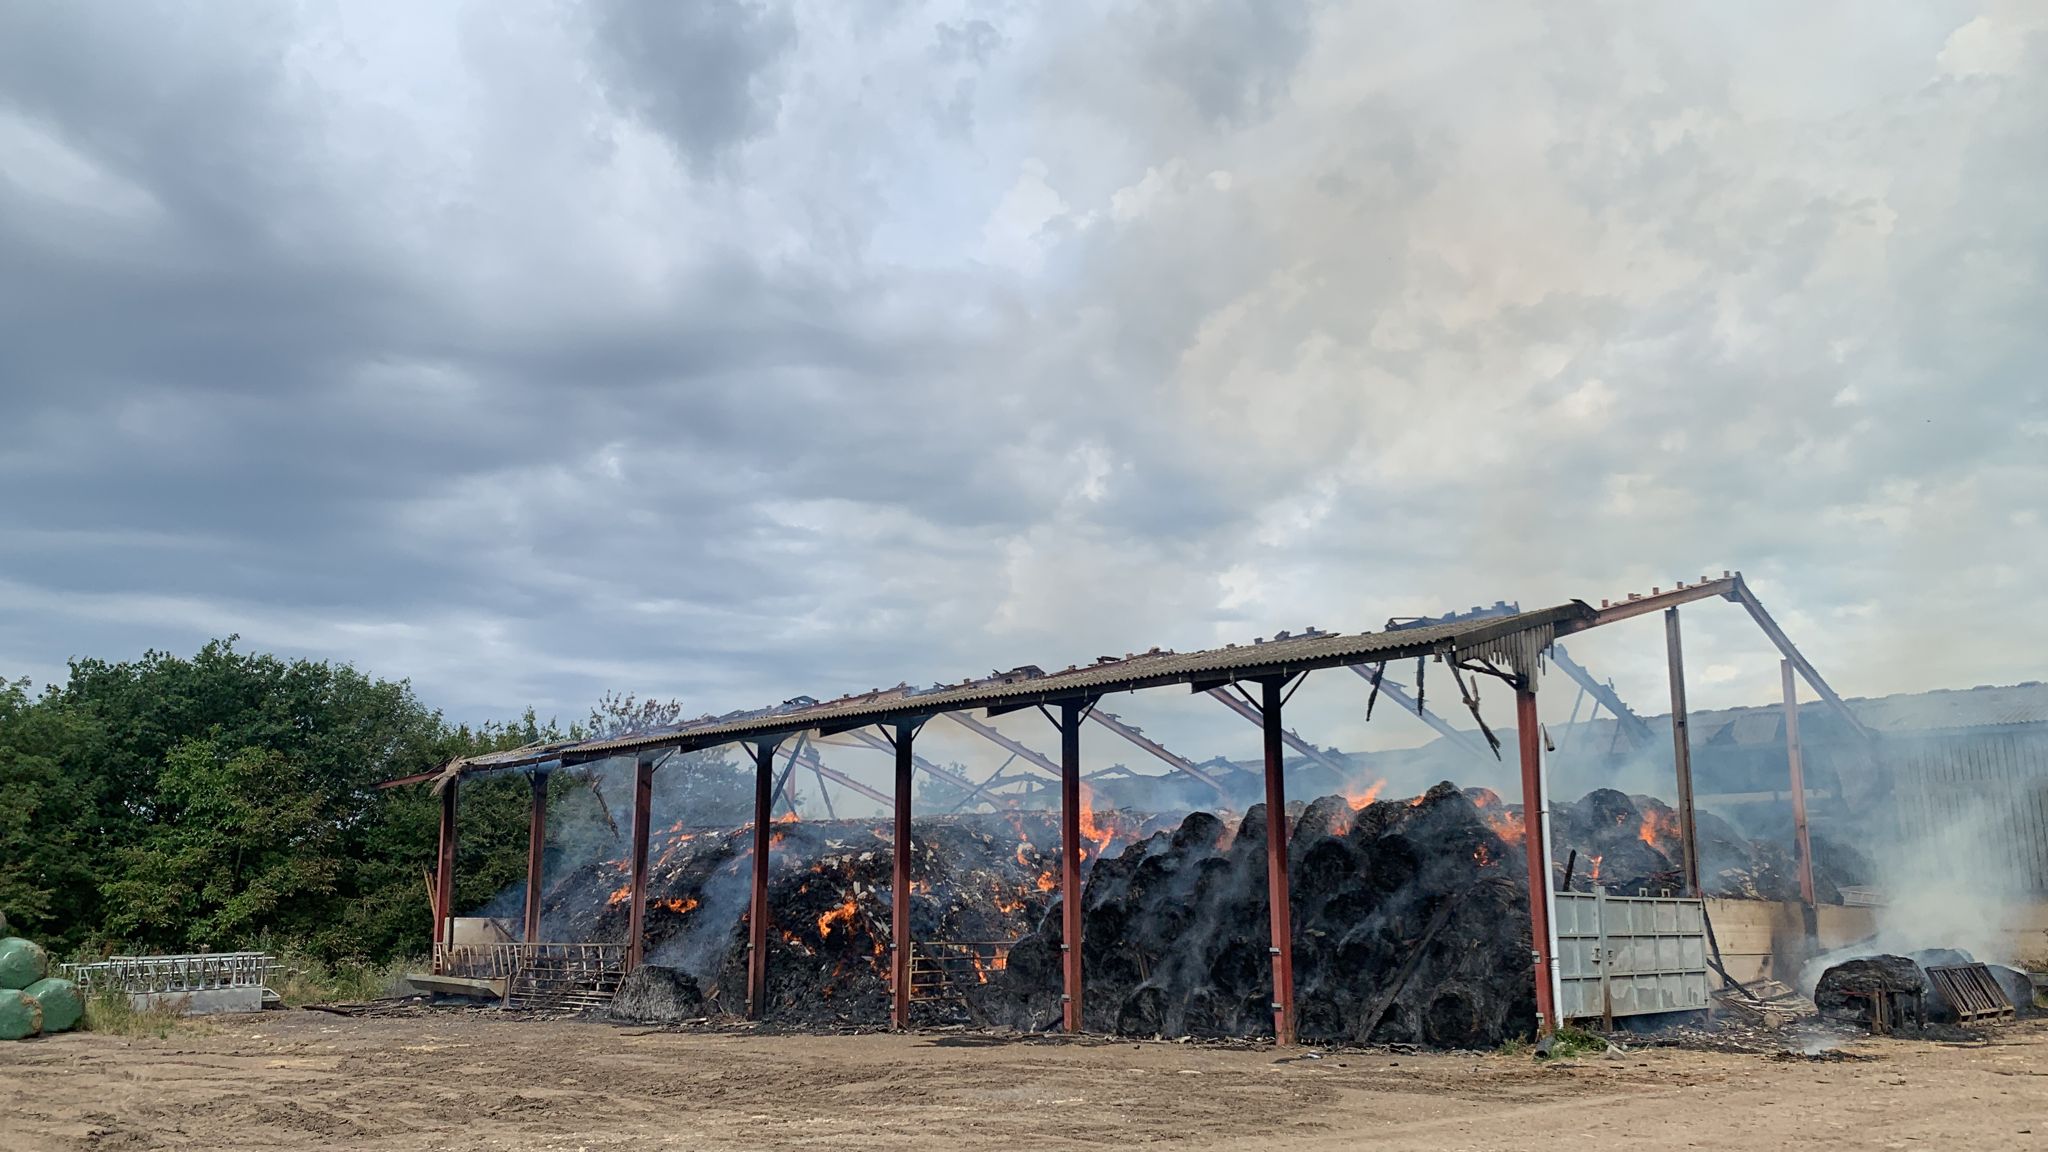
<point>529,419</point>
<point>703,74</point>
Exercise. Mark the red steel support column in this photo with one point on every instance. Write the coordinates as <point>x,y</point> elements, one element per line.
<point>444,871</point>
<point>1530,735</point>
<point>1681,756</point>
<point>757,905</point>
<point>1796,760</point>
<point>1277,898</point>
<point>643,801</point>
<point>1070,864</point>
<point>899,888</point>
<point>536,845</point>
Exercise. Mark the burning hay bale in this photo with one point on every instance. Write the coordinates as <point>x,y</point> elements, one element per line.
<point>1410,924</point>
<point>1630,844</point>
<point>1410,916</point>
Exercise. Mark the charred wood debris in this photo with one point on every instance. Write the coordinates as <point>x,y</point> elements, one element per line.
<point>1411,919</point>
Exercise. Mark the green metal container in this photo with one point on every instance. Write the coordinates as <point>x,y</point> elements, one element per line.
<point>22,962</point>
<point>63,1003</point>
<point>20,1015</point>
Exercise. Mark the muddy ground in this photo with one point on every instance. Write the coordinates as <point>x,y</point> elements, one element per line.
<point>304,1080</point>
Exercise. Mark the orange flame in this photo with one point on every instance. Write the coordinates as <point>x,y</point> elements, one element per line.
<point>1096,833</point>
<point>1593,869</point>
<point>1505,825</point>
<point>679,905</point>
<point>1046,883</point>
<point>841,915</point>
<point>624,894</point>
<point>1359,800</point>
<point>1659,828</point>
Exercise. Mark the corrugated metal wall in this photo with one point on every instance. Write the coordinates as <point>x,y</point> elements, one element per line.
<point>1992,782</point>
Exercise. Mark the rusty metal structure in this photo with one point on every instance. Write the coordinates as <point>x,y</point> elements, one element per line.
<point>1254,680</point>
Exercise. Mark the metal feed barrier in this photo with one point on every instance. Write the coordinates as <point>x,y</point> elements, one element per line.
<point>942,971</point>
<point>1630,955</point>
<point>197,983</point>
<point>195,972</point>
<point>540,975</point>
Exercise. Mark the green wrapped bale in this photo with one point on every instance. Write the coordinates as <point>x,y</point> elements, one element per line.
<point>61,1000</point>
<point>20,1015</point>
<point>22,963</point>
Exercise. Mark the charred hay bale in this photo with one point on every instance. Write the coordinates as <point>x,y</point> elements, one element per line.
<point>655,994</point>
<point>1325,817</point>
<point>1848,987</point>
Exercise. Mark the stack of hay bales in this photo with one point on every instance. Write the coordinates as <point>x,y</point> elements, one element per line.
<point>31,1000</point>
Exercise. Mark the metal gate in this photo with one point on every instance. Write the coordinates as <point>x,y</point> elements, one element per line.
<point>1630,955</point>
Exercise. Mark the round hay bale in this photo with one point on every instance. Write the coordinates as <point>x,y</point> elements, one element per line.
<point>22,962</point>
<point>20,1015</point>
<point>63,1004</point>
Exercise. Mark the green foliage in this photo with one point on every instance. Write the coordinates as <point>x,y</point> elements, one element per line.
<point>112,1011</point>
<point>228,800</point>
<point>1569,1042</point>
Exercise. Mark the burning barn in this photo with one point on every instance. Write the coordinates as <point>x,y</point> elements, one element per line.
<point>1042,900</point>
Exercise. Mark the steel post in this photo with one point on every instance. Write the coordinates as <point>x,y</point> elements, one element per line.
<point>444,870</point>
<point>643,802</point>
<point>1277,899</point>
<point>1796,762</point>
<point>899,889</point>
<point>1681,756</point>
<point>1529,734</point>
<point>536,846</point>
<point>757,904</point>
<point>1070,863</point>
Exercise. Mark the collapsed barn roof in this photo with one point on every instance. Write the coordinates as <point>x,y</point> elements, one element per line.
<point>1513,644</point>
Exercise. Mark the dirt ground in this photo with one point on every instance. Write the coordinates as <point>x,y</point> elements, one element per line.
<point>306,1080</point>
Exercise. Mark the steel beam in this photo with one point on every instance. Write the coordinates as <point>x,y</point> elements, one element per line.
<point>757,903</point>
<point>444,871</point>
<point>1681,755</point>
<point>536,847</point>
<point>1070,864</point>
<point>1633,728</point>
<point>1281,923</point>
<point>1137,736</point>
<point>881,744</point>
<point>1293,741</point>
<point>1529,735</point>
<point>1658,600</point>
<point>643,803</point>
<point>1023,752</point>
<point>816,763</point>
<point>1795,761</point>
<point>1812,676</point>
<point>899,890</point>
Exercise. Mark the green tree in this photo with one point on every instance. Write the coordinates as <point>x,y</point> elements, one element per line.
<point>238,848</point>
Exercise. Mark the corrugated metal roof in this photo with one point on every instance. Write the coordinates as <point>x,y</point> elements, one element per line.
<point>1513,641</point>
<point>1946,709</point>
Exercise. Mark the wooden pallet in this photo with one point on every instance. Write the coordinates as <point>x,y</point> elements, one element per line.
<point>1973,994</point>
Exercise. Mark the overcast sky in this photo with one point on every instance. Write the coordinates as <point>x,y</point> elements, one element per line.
<point>729,351</point>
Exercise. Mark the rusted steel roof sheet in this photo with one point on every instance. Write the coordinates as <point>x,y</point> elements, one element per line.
<point>1514,642</point>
